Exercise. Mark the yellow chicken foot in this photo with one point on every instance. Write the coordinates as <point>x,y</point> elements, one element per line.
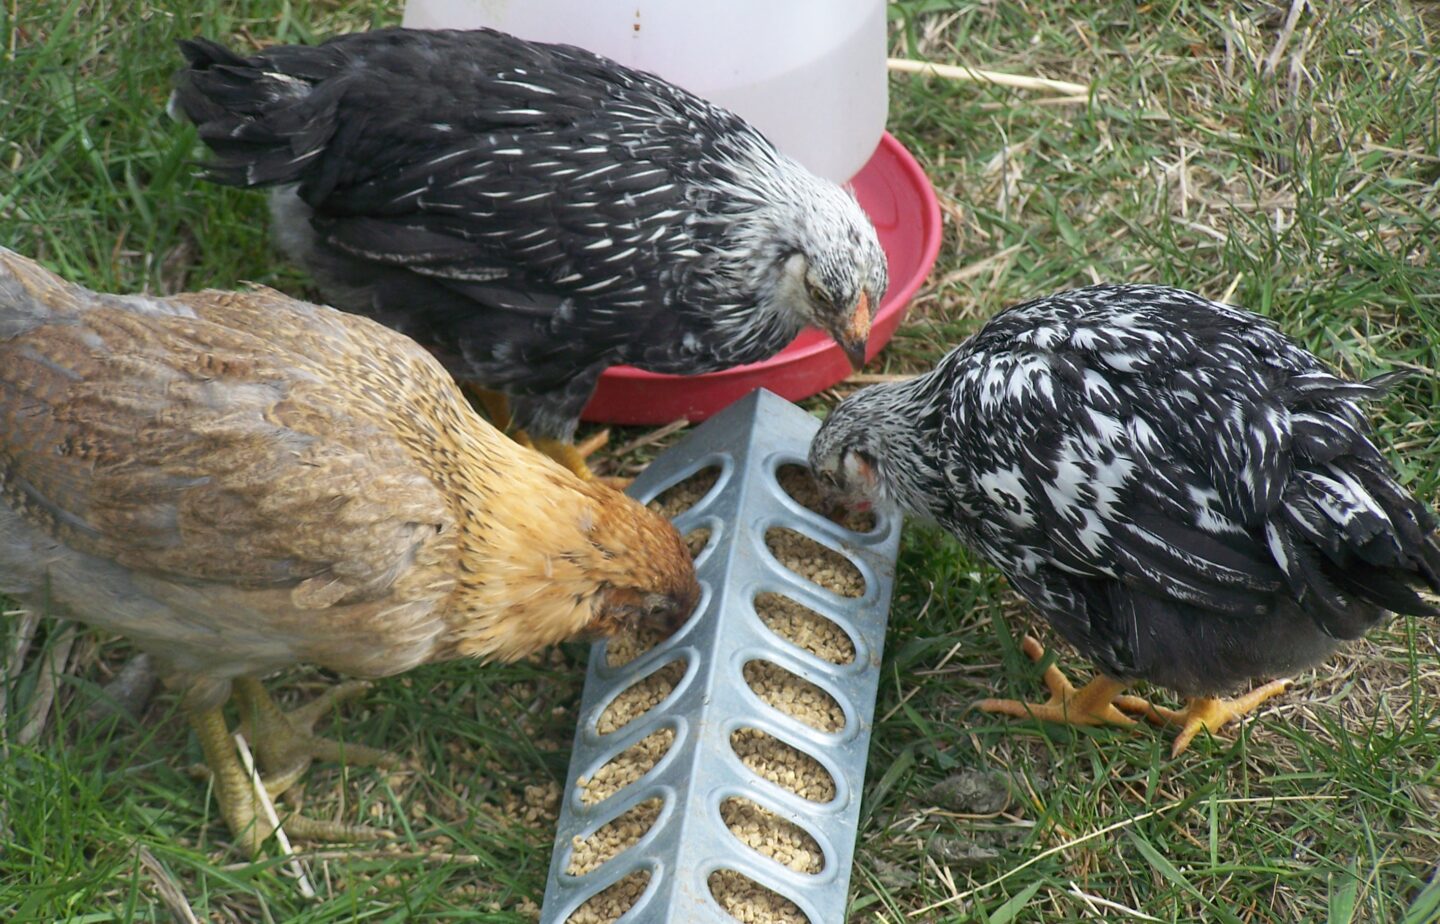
<point>284,742</point>
<point>593,444</point>
<point>284,748</point>
<point>239,805</point>
<point>1093,704</point>
<point>497,407</point>
<point>1204,712</point>
<point>573,456</point>
<point>570,455</point>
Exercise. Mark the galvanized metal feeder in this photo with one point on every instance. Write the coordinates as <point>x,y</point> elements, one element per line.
<point>689,840</point>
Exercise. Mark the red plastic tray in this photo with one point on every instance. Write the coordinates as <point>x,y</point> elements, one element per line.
<point>896,195</point>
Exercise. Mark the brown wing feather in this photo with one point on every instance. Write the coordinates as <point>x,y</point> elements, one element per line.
<point>188,447</point>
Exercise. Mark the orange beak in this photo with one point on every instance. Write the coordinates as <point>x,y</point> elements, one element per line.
<point>857,333</point>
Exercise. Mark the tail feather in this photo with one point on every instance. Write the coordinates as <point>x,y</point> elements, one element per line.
<point>263,124</point>
<point>1430,563</point>
<point>1386,380</point>
<point>1313,581</point>
<point>1321,437</point>
<point>1315,387</point>
<point>1385,588</point>
<point>202,53</point>
<point>1353,543</point>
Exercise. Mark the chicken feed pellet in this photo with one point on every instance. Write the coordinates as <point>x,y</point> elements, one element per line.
<point>765,832</point>
<point>759,829</point>
<point>675,500</point>
<point>627,766</point>
<point>613,837</point>
<point>814,562</point>
<point>749,902</point>
<point>609,904</point>
<point>804,628</point>
<point>627,646</point>
<point>640,697</point>
<point>794,696</point>
<point>785,766</point>
<point>797,481</point>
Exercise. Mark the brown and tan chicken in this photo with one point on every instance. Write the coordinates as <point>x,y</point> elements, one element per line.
<point>238,481</point>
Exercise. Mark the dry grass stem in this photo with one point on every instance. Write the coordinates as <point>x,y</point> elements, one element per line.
<point>52,668</point>
<point>267,806</point>
<point>975,75</point>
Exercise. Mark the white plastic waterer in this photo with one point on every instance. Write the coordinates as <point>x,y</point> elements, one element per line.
<point>810,74</point>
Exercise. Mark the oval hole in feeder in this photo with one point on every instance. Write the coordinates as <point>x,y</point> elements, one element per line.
<point>748,901</point>
<point>795,696</point>
<point>816,563</point>
<point>627,646</point>
<point>640,697</point>
<point>767,833</point>
<point>614,836</point>
<point>683,495</point>
<point>796,481</point>
<point>785,766</point>
<point>696,540</point>
<point>804,628</point>
<point>613,901</point>
<point>627,766</point>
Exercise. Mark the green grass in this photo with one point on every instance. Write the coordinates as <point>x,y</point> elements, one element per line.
<point>1308,193</point>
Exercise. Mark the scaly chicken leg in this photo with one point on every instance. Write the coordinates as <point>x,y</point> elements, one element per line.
<point>284,748</point>
<point>284,742</point>
<point>1097,703</point>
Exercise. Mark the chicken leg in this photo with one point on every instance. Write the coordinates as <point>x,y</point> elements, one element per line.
<point>1208,713</point>
<point>284,742</point>
<point>571,455</point>
<point>1097,703</point>
<point>284,747</point>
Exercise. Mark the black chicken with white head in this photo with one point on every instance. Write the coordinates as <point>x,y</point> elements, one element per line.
<point>1185,494</point>
<point>534,213</point>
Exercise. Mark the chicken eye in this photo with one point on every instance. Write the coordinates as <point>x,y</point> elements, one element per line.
<point>815,293</point>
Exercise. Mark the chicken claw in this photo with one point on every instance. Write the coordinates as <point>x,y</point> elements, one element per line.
<point>236,795</point>
<point>570,455</point>
<point>1208,713</point>
<point>283,741</point>
<point>284,748</point>
<point>1093,704</point>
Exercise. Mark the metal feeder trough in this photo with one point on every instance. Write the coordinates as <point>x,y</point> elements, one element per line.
<point>748,442</point>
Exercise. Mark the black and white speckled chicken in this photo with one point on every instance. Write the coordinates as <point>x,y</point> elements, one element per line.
<point>534,213</point>
<point>1186,495</point>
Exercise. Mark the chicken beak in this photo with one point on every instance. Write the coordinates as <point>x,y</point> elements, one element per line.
<point>856,335</point>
